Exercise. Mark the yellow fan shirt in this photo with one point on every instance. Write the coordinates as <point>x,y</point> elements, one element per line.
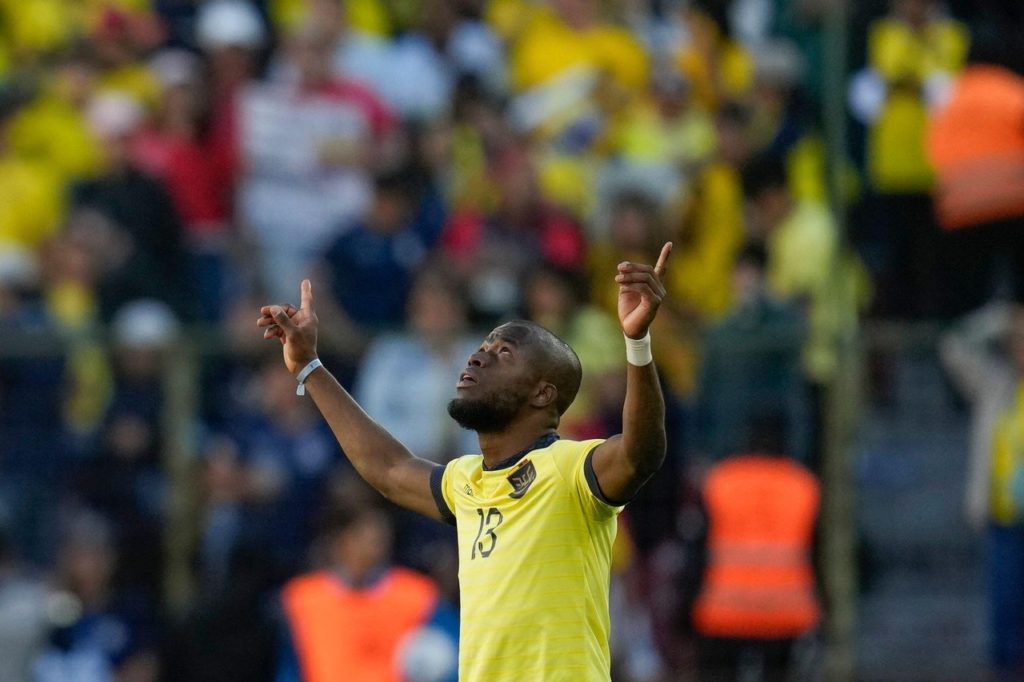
<point>535,548</point>
<point>1007,474</point>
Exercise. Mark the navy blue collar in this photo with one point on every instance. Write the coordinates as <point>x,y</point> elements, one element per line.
<point>539,444</point>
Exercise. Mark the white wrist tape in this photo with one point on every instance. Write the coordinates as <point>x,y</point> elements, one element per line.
<point>304,374</point>
<point>638,351</point>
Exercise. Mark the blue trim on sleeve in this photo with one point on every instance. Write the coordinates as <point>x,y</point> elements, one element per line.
<point>595,485</point>
<point>436,489</point>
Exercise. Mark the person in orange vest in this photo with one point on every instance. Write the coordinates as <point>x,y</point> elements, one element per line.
<point>976,143</point>
<point>758,595</point>
<point>362,620</point>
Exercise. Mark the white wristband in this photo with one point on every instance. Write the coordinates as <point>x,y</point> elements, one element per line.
<point>638,351</point>
<point>304,374</point>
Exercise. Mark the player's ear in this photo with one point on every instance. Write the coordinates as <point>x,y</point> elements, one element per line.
<point>544,394</point>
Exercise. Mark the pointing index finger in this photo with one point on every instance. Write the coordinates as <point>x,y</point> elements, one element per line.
<point>307,296</point>
<point>659,267</point>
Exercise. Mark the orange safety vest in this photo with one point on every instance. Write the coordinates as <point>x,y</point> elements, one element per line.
<point>976,144</point>
<point>341,633</point>
<point>759,582</point>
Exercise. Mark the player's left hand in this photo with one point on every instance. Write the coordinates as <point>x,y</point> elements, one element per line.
<point>641,292</point>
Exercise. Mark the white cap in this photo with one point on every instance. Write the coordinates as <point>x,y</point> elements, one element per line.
<point>145,323</point>
<point>229,23</point>
<point>113,114</point>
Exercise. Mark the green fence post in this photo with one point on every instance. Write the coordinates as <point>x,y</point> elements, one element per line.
<point>843,408</point>
<point>181,400</point>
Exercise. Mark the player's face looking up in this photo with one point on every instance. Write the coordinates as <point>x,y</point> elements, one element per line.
<point>495,384</point>
<point>520,368</point>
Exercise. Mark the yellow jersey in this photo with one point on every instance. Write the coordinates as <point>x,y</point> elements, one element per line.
<point>535,541</point>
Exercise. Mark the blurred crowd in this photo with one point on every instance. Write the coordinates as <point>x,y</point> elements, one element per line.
<point>435,167</point>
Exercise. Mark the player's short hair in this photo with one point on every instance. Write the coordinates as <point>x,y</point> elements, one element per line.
<point>554,359</point>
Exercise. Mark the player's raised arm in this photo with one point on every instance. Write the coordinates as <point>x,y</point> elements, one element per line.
<point>623,463</point>
<point>384,462</point>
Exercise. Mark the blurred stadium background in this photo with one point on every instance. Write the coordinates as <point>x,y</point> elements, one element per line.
<point>166,166</point>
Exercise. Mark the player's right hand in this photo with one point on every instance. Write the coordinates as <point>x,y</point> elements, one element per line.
<point>296,329</point>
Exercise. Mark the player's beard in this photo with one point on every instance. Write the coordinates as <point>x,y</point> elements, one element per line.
<point>486,414</point>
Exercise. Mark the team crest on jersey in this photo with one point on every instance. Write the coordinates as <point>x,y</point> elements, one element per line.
<point>466,489</point>
<point>522,478</point>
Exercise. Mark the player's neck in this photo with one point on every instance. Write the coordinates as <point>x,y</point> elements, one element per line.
<point>499,446</point>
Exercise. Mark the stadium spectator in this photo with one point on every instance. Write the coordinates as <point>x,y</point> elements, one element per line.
<point>495,250</point>
<point>99,637</point>
<point>24,619</point>
<point>712,226</point>
<point>139,214</point>
<point>657,143</point>
<point>468,44</point>
<point>407,70</point>
<point>356,617</point>
<point>52,129</point>
<point>808,265</point>
<point>977,147</point>
<point>719,66</point>
<point>172,147</point>
<point>307,144</point>
<point>288,455</point>
<point>557,299</point>
<point>759,593</point>
<point>122,477</point>
<point>782,121</point>
<point>985,357</point>
<point>751,359</point>
<point>912,55</point>
<point>35,453</point>
<point>231,34</point>
<point>387,246</point>
<point>119,39</point>
<point>421,360</point>
<point>480,133</point>
<point>69,277</point>
<point>411,57</point>
<point>224,480</point>
<point>31,211</point>
<point>230,630</point>
<point>567,38</point>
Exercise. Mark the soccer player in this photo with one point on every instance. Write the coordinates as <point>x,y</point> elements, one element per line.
<point>535,515</point>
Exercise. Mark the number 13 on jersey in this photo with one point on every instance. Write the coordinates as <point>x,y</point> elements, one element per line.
<point>486,539</point>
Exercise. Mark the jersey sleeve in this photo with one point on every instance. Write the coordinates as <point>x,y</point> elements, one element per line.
<point>440,488</point>
<point>584,481</point>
